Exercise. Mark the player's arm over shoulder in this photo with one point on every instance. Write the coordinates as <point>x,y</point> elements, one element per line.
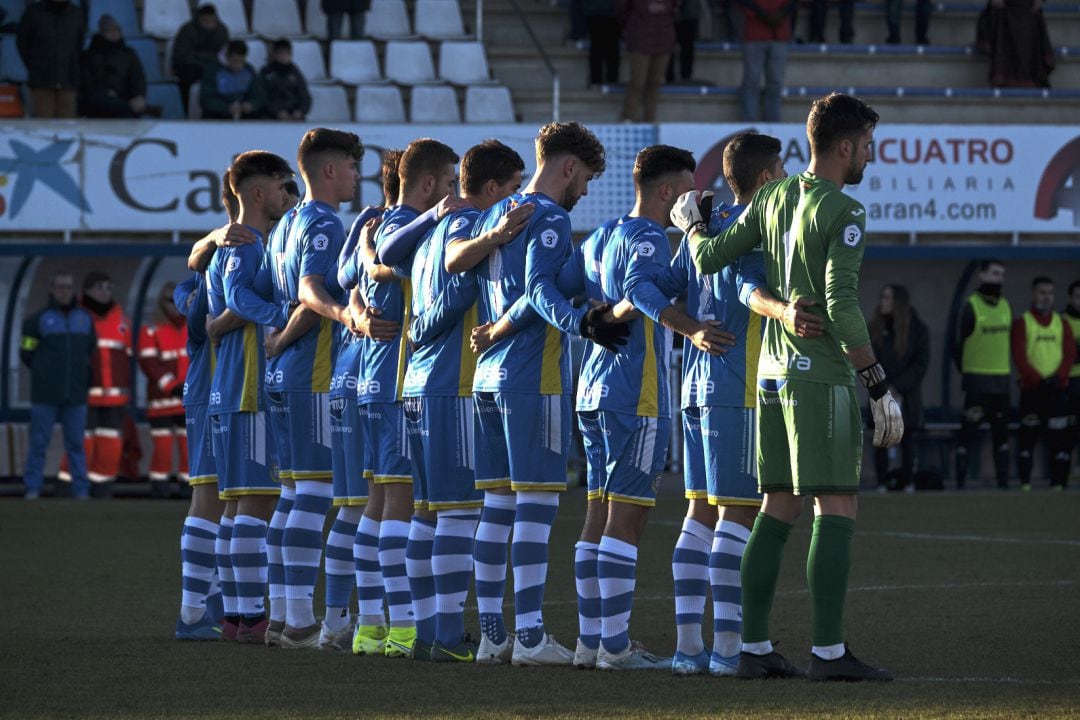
<point>713,254</point>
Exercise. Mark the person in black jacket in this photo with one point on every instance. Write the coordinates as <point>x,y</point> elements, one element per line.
<point>50,36</point>
<point>901,342</point>
<point>57,345</point>
<point>287,96</point>
<point>197,45</point>
<point>336,10</point>
<point>113,82</point>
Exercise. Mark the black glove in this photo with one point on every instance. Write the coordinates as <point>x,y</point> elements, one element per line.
<point>610,336</point>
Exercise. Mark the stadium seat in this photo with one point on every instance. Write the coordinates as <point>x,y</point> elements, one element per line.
<point>439,19</point>
<point>463,63</point>
<point>11,64</point>
<point>488,104</point>
<point>146,49</point>
<point>162,18</point>
<point>275,19</point>
<point>328,104</point>
<point>307,55</point>
<point>434,104</point>
<point>231,12</point>
<point>166,95</point>
<point>379,104</point>
<point>257,53</point>
<point>408,63</point>
<point>314,20</point>
<point>13,10</point>
<point>354,62</point>
<point>387,19</point>
<point>123,11</point>
<point>194,103</point>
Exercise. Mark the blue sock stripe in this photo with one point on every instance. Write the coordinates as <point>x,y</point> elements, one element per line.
<point>419,550</point>
<point>339,590</point>
<point>528,553</point>
<point>727,594</point>
<point>528,598</point>
<point>721,534</point>
<point>725,561</point>
<point>372,592</point>
<point>727,626</point>
<point>536,513</point>
<point>247,560</point>
<point>617,570</point>
<point>690,557</point>
<point>199,533</point>
<point>301,575</point>
<point>453,545</point>
<point>295,537</point>
<point>195,585</point>
<point>339,553</point>
<point>275,573</point>
<point>489,552</point>
<point>692,588</point>
<point>250,589</point>
<point>314,504</point>
<point>201,559</point>
<point>589,607</point>
<point>497,516</point>
<point>399,598</point>
<point>453,582</point>
<point>618,603</point>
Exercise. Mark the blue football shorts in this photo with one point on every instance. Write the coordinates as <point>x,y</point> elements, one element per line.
<point>202,469</point>
<point>440,431</point>
<point>720,455</point>
<point>347,448</point>
<point>522,440</point>
<point>243,457</point>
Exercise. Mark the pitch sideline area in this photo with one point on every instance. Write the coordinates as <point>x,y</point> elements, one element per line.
<point>971,599</point>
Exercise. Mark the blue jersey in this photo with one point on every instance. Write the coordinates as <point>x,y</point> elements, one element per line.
<point>190,299</point>
<point>348,347</point>
<point>312,236</point>
<point>382,367</point>
<point>634,380</point>
<point>536,358</point>
<point>444,311</point>
<point>728,380</point>
<point>237,280</point>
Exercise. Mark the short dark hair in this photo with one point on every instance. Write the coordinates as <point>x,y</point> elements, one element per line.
<point>1073,285</point>
<point>490,160</point>
<point>236,47</point>
<point>206,9</point>
<point>256,163</point>
<point>1041,280</point>
<point>282,44</point>
<point>838,117</point>
<point>422,157</point>
<point>656,161</point>
<point>320,141</point>
<point>571,139</point>
<point>391,181</point>
<point>745,157</point>
<point>986,263</point>
<point>228,197</point>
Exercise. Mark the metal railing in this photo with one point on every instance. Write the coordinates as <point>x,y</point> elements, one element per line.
<point>555,82</point>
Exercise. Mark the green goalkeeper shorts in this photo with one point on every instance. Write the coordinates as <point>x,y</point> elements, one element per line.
<point>809,438</point>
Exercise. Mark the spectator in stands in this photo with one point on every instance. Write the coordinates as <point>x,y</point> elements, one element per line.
<point>1072,317</point>
<point>922,21</point>
<point>901,343</point>
<point>686,33</point>
<point>847,20</point>
<point>336,10</point>
<point>981,353</point>
<point>1013,33</point>
<point>232,90</point>
<point>727,20</point>
<point>197,46</point>
<point>648,29</point>
<point>603,41</point>
<point>287,96</point>
<point>1043,349</point>
<point>50,37</point>
<point>57,345</point>
<point>766,35</point>
<point>113,83</point>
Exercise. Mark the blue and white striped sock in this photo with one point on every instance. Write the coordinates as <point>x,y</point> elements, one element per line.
<point>393,538</point>
<point>529,556</point>
<point>421,579</point>
<point>223,558</point>
<point>197,566</point>
<point>616,565</point>
<point>248,550</point>
<point>339,567</point>
<point>729,543</point>
<point>369,581</point>
<point>588,594</point>
<point>275,567</point>
<point>489,562</point>
<point>690,569</point>
<point>452,565</point>
<point>301,550</point>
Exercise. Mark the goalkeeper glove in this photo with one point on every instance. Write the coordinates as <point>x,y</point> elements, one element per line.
<point>691,212</point>
<point>610,336</point>
<point>888,422</point>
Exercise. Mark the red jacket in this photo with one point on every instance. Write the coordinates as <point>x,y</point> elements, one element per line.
<point>163,358</point>
<point>1029,376</point>
<point>757,26</point>
<point>110,368</point>
<point>648,26</point>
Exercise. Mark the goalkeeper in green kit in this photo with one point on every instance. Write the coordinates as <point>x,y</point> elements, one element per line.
<point>809,425</point>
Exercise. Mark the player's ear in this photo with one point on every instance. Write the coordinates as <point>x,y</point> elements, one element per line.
<point>569,166</point>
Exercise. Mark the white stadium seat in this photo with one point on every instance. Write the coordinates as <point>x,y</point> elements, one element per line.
<point>163,18</point>
<point>314,19</point>
<point>387,19</point>
<point>488,104</point>
<point>328,104</point>
<point>275,19</point>
<point>257,53</point>
<point>463,63</point>
<point>408,63</point>
<point>439,19</point>
<point>354,62</point>
<point>231,12</point>
<point>194,104</point>
<point>307,55</point>
<point>379,104</point>
<point>434,104</point>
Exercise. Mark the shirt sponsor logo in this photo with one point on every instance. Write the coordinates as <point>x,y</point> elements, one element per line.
<point>595,392</point>
<point>364,387</point>
<point>491,374</point>
<point>852,235</point>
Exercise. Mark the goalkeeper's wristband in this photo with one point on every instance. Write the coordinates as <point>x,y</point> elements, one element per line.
<point>701,227</point>
<point>873,379</point>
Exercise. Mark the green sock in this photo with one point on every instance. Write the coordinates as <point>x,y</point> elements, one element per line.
<point>827,568</point>
<point>760,570</point>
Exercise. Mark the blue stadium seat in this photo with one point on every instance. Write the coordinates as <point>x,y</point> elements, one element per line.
<point>11,65</point>
<point>122,10</point>
<point>167,95</point>
<point>146,49</point>
<point>13,10</point>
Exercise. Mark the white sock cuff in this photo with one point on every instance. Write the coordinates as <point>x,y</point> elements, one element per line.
<point>538,497</point>
<point>458,513</point>
<point>617,547</point>
<point>421,530</point>
<point>394,527</point>
<point>226,521</point>
<point>289,493</point>
<point>350,514</point>
<point>500,501</point>
<point>318,488</point>
<point>733,528</point>
<point>583,545</point>
<point>201,524</point>
<point>369,526</point>
<point>698,530</point>
<point>248,520</point>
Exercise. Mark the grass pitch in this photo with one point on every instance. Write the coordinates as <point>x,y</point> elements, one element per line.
<point>973,600</point>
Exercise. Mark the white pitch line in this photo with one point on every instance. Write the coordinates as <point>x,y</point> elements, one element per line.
<point>990,680</point>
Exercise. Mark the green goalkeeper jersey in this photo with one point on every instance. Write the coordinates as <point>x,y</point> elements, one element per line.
<point>812,235</point>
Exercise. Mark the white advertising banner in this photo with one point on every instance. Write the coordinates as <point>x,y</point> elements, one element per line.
<point>934,178</point>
